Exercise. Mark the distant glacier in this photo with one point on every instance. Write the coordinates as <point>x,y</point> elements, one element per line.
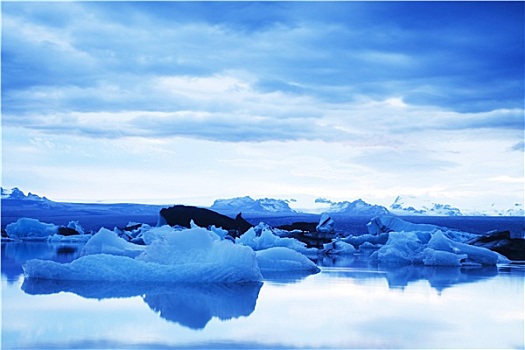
<point>402,206</point>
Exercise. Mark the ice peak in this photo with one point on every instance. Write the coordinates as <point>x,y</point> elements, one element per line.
<point>411,205</point>
<point>358,207</point>
<point>16,193</point>
<point>249,205</point>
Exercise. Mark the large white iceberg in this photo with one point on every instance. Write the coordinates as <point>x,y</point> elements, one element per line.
<point>191,255</point>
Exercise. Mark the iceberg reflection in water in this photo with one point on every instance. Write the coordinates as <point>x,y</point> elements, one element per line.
<point>190,305</point>
<point>400,276</point>
<point>15,253</point>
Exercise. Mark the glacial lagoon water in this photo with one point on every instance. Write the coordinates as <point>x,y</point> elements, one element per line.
<point>349,304</point>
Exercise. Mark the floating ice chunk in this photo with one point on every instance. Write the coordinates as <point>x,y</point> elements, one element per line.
<point>261,237</point>
<point>401,248</point>
<point>282,259</point>
<point>416,248</point>
<point>133,232</point>
<point>191,255</point>
<point>27,228</point>
<point>474,254</point>
<point>338,246</point>
<point>366,240</point>
<point>326,224</point>
<point>434,257</point>
<point>219,231</point>
<point>108,242</point>
<point>75,238</point>
<point>388,223</point>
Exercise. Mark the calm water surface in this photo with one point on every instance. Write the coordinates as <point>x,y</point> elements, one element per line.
<point>350,304</point>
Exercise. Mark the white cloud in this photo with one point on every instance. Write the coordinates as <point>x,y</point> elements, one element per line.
<point>295,100</point>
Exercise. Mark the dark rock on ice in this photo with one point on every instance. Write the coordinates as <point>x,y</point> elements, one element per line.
<point>182,215</point>
<point>300,226</point>
<point>131,233</point>
<point>315,235</point>
<point>67,231</point>
<point>312,239</point>
<point>501,242</point>
<point>131,227</point>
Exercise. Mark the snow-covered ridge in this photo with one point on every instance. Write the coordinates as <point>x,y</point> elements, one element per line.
<point>16,193</point>
<point>410,205</point>
<point>516,210</point>
<point>250,205</point>
<point>402,206</point>
<point>356,208</point>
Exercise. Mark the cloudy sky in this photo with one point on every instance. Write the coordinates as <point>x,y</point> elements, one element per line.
<point>186,102</point>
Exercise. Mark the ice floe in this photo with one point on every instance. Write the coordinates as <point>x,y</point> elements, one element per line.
<point>262,237</point>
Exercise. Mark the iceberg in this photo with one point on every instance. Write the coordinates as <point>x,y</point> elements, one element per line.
<point>282,259</point>
<point>503,242</point>
<point>262,237</point>
<point>33,229</point>
<point>433,249</point>
<point>367,241</point>
<point>190,255</point>
<point>403,243</point>
<point>389,223</point>
<point>338,246</point>
<point>326,224</point>
<point>27,228</point>
<point>58,238</point>
<point>108,242</point>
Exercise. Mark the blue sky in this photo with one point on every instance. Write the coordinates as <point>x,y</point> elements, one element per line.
<point>190,101</point>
